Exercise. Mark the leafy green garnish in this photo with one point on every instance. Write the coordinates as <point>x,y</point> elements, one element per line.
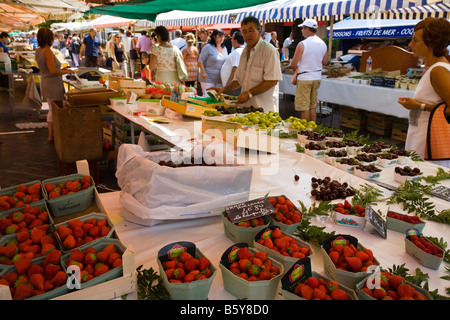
<point>366,195</point>
<point>440,175</point>
<point>312,234</point>
<point>149,285</point>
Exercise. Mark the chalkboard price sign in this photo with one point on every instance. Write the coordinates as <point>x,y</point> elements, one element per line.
<point>175,96</point>
<point>441,192</point>
<point>250,209</point>
<point>377,221</point>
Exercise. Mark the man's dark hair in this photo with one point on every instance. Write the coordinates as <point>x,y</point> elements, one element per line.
<point>251,19</point>
<point>237,35</point>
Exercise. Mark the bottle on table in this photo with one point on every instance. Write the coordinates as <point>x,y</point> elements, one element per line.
<point>369,64</point>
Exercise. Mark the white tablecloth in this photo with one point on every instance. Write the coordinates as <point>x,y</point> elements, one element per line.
<point>209,237</point>
<point>359,96</point>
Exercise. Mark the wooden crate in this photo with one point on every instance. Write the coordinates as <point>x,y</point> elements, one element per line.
<point>107,290</point>
<point>399,129</point>
<point>352,118</point>
<point>379,123</point>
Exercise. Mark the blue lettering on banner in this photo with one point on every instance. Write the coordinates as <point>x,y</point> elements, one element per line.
<point>382,32</point>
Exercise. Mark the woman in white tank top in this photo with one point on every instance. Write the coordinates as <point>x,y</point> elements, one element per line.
<point>429,41</point>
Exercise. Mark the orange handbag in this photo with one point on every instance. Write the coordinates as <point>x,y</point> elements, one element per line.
<point>438,135</point>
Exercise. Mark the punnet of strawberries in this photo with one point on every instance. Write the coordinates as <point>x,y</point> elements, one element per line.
<point>23,219</point>
<point>318,289</point>
<point>391,287</point>
<point>405,217</point>
<point>426,245</point>
<point>22,195</point>
<point>78,232</point>
<point>349,209</point>
<point>252,223</point>
<point>186,268</point>
<point>349,258</point>
<point>68,187</point>
<point>94,263</point>
<point>30,279</point>
<point>33,243</point>
<point>286,212</point>
<point>283,244</point>
<point>253,266</point>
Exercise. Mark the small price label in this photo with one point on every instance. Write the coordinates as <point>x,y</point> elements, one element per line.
<point>250,209</point>
<point>441,192</point>
<point>377,221</point>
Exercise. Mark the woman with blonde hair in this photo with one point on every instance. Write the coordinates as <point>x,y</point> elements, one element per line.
<point>190,57</point>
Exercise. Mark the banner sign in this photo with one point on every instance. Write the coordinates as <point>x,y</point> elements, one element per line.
<point>381,32</point>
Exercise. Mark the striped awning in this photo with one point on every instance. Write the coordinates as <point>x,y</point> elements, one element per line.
<point>287,10</point>
<point>189,18</point>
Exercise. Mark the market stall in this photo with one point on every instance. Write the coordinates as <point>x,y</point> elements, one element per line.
<point>356,95</point>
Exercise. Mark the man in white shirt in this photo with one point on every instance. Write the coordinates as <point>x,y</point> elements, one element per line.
<point>286,44</point>
<point>179,41</point>
<point>232,62</point>
<point>309,58</point>
<point>258,72</point>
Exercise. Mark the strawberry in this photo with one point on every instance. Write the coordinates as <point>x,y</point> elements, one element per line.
<point>113,256</point>
<point>243,253</point>
<point>338,294</point>
<point>76,255</point>
<point>64,231</point>
<point>306,292</point>
<point>94,231</point>
<point>312,282</point>
<point>261,255</point>
<point>405,290</point>
<point>59,279</point>
<point>332,285</point>
<point>116,263</point>
<point>276,233</point>
<point>379,293</point>
<point>179,274</point>
<point>21,264</point>
<point>191,264</point>
<point>35,268</point>
<point>244,264</point>
<point>347,251</point>
<point>102,257</point>
<point>319,294</point>
<point>53,256</point>
<point>69,242</point>
<point>334,256</point>
<point>37,280</point>
<point>395,281</point>
<point>101,270</point>
<point>23,291</point>
<point>347,205</point>
<point>354,263</point>
<point>253,270</point>
<point>204,263</point>
<point>90,259</point>
<point>110,248</point>
<point>51,270</point>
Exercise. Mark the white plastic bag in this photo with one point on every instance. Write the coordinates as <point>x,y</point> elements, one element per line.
<point>154,193</point>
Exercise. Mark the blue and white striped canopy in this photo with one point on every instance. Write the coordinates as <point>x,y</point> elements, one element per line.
<point>189,18</point>
<point>293,9</point>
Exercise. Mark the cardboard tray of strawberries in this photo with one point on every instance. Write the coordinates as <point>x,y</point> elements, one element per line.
<point>244,231</point>
<point>301,283</point>
<point>347,261</point>
<point>191,275</point>
<point>16,197</point>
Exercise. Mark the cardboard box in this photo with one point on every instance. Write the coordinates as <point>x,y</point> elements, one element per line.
<point>379,123</point>
<point>353,118</point>
<point>185,107</point>
<point>78,133</point>
<point>91,97</point>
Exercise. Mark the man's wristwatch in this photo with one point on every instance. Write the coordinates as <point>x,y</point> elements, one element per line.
<point>422,107</point>
<point>249,94</point>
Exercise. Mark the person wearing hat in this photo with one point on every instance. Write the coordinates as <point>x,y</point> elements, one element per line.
<point>309,58</point>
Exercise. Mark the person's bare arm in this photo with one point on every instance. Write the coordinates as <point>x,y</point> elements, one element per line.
<point>297,55</point>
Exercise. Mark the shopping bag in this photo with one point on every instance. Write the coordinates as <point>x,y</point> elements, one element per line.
<point>181,67</point>
<point>152,193</point>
